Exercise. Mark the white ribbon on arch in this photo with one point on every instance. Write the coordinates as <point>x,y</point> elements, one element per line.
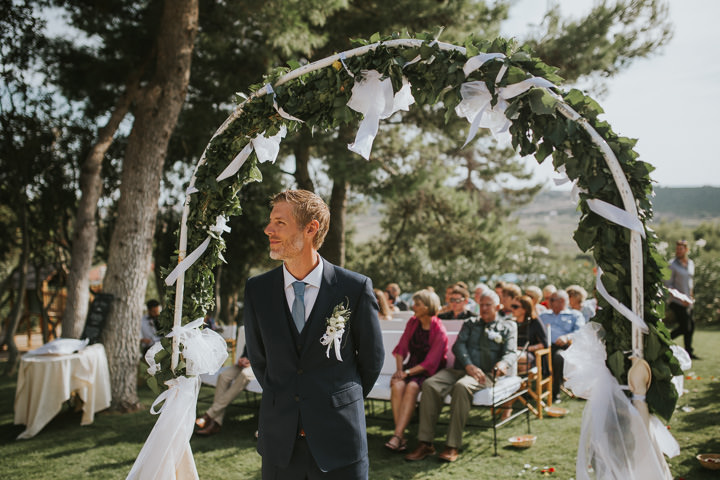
<point>477,107</point>
<point>216,230</point>
<point>375,99</point>
<point>266,149</point>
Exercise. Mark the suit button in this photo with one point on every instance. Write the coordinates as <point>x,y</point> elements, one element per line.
<point>300,371</point>
<point>297,398</point>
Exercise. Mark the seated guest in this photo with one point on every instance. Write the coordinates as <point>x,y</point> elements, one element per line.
<point>457,301</point>
<point>230,383</point>
<point>484,350</point>
<point>149,325</point>
<point>530,338</point>
<point>535,295</point>
<point>479,289</point>
<point>560,322</point>
<point>424,344</point>
<point>577,300</point>
<point>446,306</point>
<point>547,290</point>
<point>531,334</point>
<point>384,311</point>
<point>393,293</point>
<point>510,292</point>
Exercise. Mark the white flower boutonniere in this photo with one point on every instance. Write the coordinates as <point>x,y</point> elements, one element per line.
<point>335,328</point>
<point>494,336</point>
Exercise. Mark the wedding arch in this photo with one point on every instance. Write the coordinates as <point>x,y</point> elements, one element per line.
<point>494,85</point>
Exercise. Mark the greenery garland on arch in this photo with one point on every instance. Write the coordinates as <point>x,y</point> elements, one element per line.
<point>319,97</point>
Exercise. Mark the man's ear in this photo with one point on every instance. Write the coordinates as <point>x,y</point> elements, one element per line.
<point>312,227</point>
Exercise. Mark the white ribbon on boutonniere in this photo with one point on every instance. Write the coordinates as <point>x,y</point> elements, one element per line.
<point>335,328</point>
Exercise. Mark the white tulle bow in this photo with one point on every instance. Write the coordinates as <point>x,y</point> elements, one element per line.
<point>204,350</point>
<point>477,108</point>
<point>374,98</point>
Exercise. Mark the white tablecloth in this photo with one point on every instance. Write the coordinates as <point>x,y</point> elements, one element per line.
<point>45,382</point>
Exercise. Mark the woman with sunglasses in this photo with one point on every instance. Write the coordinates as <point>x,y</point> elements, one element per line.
<point>531,337</point>
<point>531,333</point>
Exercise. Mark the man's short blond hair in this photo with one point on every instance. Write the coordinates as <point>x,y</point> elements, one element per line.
<point>306,207</point>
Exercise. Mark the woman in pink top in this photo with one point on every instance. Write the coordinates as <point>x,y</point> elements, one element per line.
<point>421,351</point>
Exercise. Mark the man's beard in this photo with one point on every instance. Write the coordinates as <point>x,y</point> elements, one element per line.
<point>288,249</point>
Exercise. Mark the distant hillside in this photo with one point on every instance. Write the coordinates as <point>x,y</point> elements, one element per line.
<point>702,202</point>
<point>555,212</point>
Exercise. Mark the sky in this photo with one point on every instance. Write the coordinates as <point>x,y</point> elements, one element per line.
<point>670,102</point>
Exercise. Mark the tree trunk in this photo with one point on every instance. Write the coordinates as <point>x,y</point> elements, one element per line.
<point>334,247</point>
<point>302,159</point>
<point>129,263</point>
<point>17,310</point>
<point>85,231</point>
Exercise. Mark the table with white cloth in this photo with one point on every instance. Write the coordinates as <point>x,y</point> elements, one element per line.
<point>45,382</point>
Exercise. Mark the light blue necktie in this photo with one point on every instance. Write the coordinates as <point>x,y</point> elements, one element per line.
<point>298,306</point>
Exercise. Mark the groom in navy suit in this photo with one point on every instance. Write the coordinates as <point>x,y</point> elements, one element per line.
<point>315,345</point>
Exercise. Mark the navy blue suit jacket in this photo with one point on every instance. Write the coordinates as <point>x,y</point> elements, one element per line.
<point>302,387</point>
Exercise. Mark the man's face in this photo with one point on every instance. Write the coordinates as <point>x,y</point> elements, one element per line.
<point>154,312</point>
<point>476,294</point>
<point>557,304</point>
<point>681,250</point>
<point>285,235</point>
<point>488,309</point>
<point>390,292</point>
<point>506,301</point>
<point>457,303</point>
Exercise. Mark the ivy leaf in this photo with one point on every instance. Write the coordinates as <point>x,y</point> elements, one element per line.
<point>616,363</point>
<point>544,149</point>
<point>375,37</point>
<point>652,346</point>
<point>153,384</point>
<point>542,102</point>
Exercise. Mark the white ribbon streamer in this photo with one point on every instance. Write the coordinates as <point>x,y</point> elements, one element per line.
<point>622,309</point>
<point>279,109</point>
<point>166,454</point>
<point>473,63</point>
<point>215,231</point>
<point>332,339</point>
<point>266,149</point>
<point>342,60</point>
<point>236,163</point>
<point>616,215</point>
<point>374,98</point>
<point>150,358</point>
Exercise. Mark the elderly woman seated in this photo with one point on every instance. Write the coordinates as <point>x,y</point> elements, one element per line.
<point>421,351</point>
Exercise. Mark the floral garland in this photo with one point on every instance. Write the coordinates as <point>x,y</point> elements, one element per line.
<point>496,85</point>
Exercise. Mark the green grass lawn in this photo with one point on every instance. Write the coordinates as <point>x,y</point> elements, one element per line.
<point>107,448</point>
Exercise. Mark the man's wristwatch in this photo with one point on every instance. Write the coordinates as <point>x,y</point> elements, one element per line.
<point>407,371</point>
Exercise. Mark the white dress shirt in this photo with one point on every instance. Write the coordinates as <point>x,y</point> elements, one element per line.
<point>312,287</point>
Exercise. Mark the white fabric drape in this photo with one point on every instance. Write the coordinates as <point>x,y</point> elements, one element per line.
<point>166,454</point>
<point>614,440</point>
